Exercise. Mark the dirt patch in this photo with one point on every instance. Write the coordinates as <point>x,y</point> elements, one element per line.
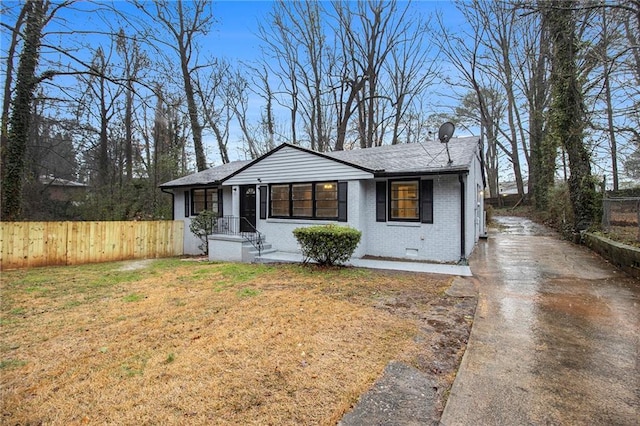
<point>199,343</point>
<point>135,265</point>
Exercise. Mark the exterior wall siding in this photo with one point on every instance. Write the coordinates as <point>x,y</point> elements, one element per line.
<point>292,165</point>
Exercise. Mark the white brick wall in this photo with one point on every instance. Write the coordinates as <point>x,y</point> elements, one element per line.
<point>438,242</point>
<point>279,232</point>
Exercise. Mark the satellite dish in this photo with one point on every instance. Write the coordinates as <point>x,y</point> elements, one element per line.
<point>444,134</point>
<point>446,131</point>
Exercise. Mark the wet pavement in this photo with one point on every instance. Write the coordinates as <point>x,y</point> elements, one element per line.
<point>556,336</point>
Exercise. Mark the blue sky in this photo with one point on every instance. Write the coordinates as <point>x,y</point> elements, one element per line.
<point>234,35</point>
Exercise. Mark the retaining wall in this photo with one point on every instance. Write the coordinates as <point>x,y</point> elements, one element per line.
<point>624,256</point>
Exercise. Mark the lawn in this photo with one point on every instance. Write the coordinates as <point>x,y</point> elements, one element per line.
<point>173,342</point>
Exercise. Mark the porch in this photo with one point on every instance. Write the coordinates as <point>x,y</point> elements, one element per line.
<point>235,239</point>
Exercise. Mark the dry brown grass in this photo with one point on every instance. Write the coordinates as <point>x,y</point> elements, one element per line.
<point>191,343</point>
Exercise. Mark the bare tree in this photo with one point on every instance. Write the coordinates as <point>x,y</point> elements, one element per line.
<point>463,51</point>
<point>412,68</point>
<point>184,23</point>
<point>468,112</point>
<point>298,54</point>
<point>369,35</point>
<point>134,61</point>
<point>216,94</point>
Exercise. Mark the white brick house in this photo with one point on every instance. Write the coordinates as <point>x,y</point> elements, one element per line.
<point>410,201</point>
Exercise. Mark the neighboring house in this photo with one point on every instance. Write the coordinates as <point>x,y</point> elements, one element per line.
<point>59,189</point>
<point>408,200</point>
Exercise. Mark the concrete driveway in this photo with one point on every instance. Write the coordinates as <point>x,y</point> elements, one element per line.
<point>556,337</point>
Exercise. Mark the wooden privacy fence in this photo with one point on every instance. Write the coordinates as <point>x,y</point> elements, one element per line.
<point>27,244</point>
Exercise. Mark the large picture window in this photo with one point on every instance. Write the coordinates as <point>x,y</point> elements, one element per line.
<point>404,200</point>
<point>317,200</point>
<point>205,199</point>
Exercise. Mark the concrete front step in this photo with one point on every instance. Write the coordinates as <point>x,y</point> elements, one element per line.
<point>276,256</point>
<point>250,252</point>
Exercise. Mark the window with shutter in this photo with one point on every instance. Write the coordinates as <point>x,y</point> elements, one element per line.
<point>426,200</point>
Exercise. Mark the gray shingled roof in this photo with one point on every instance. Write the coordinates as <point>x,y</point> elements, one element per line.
<point>207,177</point>
<point>426,157</point>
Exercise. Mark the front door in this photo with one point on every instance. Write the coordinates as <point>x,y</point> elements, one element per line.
<point>247,208</point>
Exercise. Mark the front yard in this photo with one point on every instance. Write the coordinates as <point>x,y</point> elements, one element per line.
<point>172,342</point>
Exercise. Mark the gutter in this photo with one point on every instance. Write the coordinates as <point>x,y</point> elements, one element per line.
<point>411,173</point>
<point>173,203</point>
<point>463,258</point>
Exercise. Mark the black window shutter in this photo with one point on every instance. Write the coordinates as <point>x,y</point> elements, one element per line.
<point>381,201</point>
<point>426,201</point>
<point>220,209</point>
<point>263,202</point>
<point>342,201</point>
<point>186,203</point>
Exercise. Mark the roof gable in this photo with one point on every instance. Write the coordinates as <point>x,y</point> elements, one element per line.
<point>291,163</point>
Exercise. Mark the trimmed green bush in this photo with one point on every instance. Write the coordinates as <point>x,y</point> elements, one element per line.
<point>327,244</point>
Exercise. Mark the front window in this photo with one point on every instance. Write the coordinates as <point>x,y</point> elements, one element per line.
<point>204,199</point>
<point>302,197</point>
<point>280,200</point>
<point>326,199</point>
<point>404,199</point>
<point>305,200</point>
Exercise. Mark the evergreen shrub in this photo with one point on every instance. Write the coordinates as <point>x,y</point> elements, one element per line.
<point>202,226</point>
<point>327,244</point>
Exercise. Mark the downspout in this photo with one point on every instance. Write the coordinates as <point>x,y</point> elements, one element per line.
<point>463,258</point>
<point>173,204</point>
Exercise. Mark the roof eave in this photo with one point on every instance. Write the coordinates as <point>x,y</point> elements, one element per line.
<point>190,185</point>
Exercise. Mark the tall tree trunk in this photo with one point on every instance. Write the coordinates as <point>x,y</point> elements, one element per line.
<point>567,119</point>
<point>128,128</point>
<point>103,146</point>
<point>13,158</point>
<point>347,111</point>
<point>196,128</point>
<point>8,80</point>
<point>544,149</point>
<point>607,69</point>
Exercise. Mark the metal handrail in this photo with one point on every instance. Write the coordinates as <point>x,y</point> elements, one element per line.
<point>231,225</point>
